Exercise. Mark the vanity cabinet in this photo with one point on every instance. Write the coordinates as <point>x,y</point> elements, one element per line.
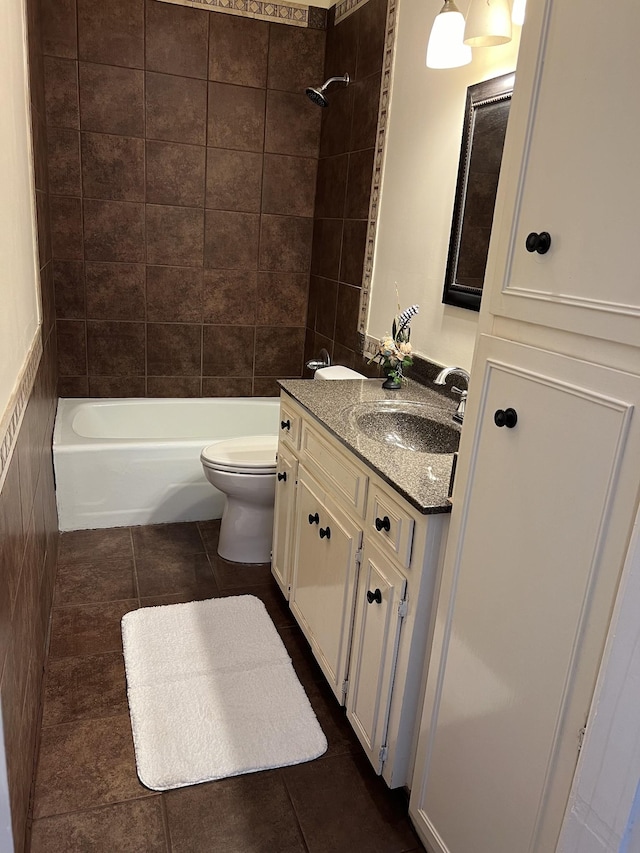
<point>361,575</point>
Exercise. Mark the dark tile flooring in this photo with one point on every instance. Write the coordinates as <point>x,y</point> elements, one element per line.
<point>87,795</point>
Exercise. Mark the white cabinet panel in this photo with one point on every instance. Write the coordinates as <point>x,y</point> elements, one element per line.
<point>376,634</point>
<point>541,532</point>
<point>570,168</point>
<point>283,516</point>
<point>324,581</point>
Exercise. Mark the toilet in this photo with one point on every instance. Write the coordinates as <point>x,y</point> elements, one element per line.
<point>244,470</point>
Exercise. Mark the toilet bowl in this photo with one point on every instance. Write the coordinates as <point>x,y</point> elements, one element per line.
<point>244,470</point>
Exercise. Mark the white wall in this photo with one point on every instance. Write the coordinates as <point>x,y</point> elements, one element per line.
<point>419,181</point>
<point>19,300</point>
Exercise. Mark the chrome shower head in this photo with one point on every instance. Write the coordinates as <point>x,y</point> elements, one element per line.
<point>317,95</point>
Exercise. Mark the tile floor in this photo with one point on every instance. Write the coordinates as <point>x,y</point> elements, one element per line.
<point>87,796</point>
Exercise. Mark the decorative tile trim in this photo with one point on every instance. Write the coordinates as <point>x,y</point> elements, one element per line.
<point>294,14</point>
<point>10,424</point>
<point>378,166</point>
<point>346,7</point>
<point>370,346</point>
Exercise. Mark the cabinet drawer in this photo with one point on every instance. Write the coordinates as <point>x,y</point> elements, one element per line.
<point>390,526</point>
<point>289,426</point>
<point>344,479</point>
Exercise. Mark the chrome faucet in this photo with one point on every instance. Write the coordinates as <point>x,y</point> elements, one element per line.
<point>441,379</point>
<point>323,361</point>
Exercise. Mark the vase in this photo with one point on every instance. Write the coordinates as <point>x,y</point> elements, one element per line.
<point>392,383</point>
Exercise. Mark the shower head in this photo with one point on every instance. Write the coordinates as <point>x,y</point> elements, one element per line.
<point>317,95</point>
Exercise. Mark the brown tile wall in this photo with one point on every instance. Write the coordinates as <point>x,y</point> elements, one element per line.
<point>347,146</point>
<point>28,519</point>
<point>183,158</point>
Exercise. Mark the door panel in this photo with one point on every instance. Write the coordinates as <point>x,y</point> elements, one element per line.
<point>374,651</point>
<point>523,620</point>
<point>283,519</point>
<point>325,576</point>
<point>570,169</point>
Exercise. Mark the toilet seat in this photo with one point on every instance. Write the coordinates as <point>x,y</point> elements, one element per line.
<point>252,454</point>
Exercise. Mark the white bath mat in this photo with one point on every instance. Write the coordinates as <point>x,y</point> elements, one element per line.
<point>212,693</point>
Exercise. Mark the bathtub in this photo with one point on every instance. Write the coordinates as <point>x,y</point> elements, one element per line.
<point>121,462</point>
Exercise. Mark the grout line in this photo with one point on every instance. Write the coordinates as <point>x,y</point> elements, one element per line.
<point>165,822</point>
<point>100,806</point>
<point>134,559</point>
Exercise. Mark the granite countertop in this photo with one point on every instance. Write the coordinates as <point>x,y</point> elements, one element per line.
<point>342,406</point>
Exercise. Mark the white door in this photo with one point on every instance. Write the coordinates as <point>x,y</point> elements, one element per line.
<point>374,651</point>
<point>571,169</point>
<point>324,581</point>
<point>542,521</point>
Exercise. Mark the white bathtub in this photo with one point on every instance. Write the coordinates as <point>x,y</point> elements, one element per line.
<point>122,462</point>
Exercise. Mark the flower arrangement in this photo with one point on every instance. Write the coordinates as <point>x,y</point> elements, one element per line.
<point>394,352</point>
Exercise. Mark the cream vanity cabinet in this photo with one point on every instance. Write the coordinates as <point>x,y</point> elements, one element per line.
<point>548,475</point>
<point>360,574</point>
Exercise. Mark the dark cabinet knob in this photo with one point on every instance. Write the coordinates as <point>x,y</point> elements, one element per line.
<point>374,596</point>
<point>314,519</point>
<point>325,532</point>
<point>283,476</point>
<point>285,424</point>
<point>539,243</point>
<point>383,524</point>
<point>506,418</point>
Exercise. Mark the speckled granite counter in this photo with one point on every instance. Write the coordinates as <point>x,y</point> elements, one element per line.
<point>422,478</point>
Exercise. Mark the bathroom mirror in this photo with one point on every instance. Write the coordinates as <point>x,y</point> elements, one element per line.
<point>485,125</point>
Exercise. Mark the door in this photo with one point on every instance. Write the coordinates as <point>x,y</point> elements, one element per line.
<point>324,581</point>
<point>380,608</point>
<point>570,168</point>
<point>283,515</point>
<point>540,527</point>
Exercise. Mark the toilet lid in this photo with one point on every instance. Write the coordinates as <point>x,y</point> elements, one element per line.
<point>251,454</point>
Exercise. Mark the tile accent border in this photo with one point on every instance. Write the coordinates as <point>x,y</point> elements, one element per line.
<point>284,12</point>
<point>345,8</point>
<point>378,166</point>
<point>10,424</point>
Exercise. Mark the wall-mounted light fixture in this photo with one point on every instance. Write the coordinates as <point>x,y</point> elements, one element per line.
<point>446,48</point>
<point>488,23</point>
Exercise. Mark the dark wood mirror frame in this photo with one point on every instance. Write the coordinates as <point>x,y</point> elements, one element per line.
<point>485,125</point>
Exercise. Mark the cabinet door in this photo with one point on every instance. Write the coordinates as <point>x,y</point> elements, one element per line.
<point>541,521</point>
<point>283,517</point>
<point>322,593</point>
<point>374,651</point>
<point>571,168</point>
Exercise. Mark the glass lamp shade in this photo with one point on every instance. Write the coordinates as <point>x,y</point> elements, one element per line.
<point>446,48</point>
<point>517,13</point>
<point>488,23</point>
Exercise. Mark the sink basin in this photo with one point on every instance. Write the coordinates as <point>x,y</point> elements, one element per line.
<point>407,425</point>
